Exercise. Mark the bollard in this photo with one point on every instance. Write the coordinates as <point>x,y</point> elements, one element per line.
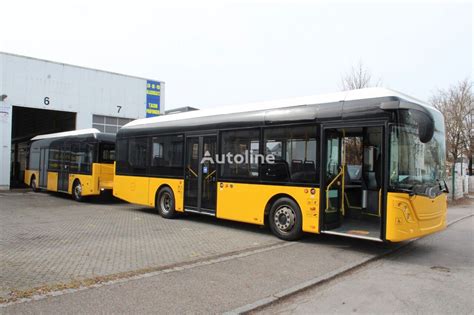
<point>454,181</point>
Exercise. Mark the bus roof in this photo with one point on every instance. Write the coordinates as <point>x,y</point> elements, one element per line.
<point>66,134</point>
<point>89,132</point>
<point>335,105</point>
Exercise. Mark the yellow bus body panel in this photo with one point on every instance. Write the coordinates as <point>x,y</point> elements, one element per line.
<point>28,176</point>
<point>88,184</point>
<point>247,202</point>
<point>415,216</point>
<point>106,175</point>
<point>133,189</point>
<point>52,183</point>
<point>142,190</point>
<point>102,177</point>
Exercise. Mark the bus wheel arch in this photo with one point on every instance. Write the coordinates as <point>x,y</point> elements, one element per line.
<point>283,206</point>
<point>165,202</point>
<point>77,190</point>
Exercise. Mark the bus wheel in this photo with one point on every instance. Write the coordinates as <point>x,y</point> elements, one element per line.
<point>285,219</point>
<point>165,203</point>
<point>33,185</point>
<point>77,191</point>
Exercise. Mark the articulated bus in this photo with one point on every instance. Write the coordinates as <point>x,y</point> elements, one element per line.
<point>365,163</point>
<point>80,162</point>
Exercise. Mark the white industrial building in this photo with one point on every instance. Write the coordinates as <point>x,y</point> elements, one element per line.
<point>39,96</point>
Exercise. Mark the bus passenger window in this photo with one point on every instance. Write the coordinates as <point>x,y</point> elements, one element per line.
<point>240,147</point>
<point>167,155</point>
<point>107,153</point>
<point>74,163</point>
<point>122,163</point>
<point>137,149</point>
<point>294,152</point>
<point>54,156</point>
<point>85,158</point>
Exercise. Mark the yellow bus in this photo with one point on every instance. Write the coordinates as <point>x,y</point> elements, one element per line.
<point>78,162</point>
<point>365,163</point>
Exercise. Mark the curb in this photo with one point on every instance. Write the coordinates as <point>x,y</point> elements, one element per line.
<point>262,303</point>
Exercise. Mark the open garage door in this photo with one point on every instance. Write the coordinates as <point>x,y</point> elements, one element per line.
<point>27,123</point>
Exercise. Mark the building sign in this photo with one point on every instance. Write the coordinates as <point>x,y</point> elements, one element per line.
<point>153,91</point>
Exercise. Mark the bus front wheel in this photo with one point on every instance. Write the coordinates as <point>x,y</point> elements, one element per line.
<point>285,219</point>
<point>165,203</point>
<point>77,191</point>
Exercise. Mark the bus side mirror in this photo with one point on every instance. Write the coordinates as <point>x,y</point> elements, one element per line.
<point>425,130</point>
<point>425,125</point>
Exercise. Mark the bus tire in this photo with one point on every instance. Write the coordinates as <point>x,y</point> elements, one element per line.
<point>285,219</point>
<point>165,203</point>
<point>33,184</point>
<point>77,191</point>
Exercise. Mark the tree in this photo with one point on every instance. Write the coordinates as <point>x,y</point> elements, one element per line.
<point>358,78</point>
<point>457,105</point>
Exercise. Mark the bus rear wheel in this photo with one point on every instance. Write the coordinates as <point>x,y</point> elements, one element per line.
<point>33,184</point>
<point>77,191</point>
<point>165,203</point>
<point>285,219</point>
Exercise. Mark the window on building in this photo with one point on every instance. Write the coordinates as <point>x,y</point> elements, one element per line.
<point>243,145</point>
<point>167,155</point>
<point>294,153</point>
<point>108,124</point>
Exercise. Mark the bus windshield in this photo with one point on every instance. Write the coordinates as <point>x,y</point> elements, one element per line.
<point>414,164</point>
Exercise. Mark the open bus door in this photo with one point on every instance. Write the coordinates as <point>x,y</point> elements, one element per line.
<point>352,181</point>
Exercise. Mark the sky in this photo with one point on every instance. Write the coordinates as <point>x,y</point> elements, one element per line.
<point>216,53</point>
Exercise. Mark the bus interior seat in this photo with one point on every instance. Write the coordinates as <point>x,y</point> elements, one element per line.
<point>308,172</point>
<point>296,166</point>
<point>278,171</point>
<point>309,165</point>
<point>157,161</point>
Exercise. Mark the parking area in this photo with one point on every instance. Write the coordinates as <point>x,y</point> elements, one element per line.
<point>48,239</point>
<point>129,255</point>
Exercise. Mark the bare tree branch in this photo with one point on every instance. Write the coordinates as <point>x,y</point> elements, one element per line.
<point>457,105</point>
<point>358,78</point>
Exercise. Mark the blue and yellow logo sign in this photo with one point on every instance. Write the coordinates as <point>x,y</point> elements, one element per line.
<point>153,91</point>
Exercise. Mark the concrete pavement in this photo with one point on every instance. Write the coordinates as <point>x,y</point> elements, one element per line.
<point>243,273</point>
<point>434,275</point>
<point>48,240</point>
